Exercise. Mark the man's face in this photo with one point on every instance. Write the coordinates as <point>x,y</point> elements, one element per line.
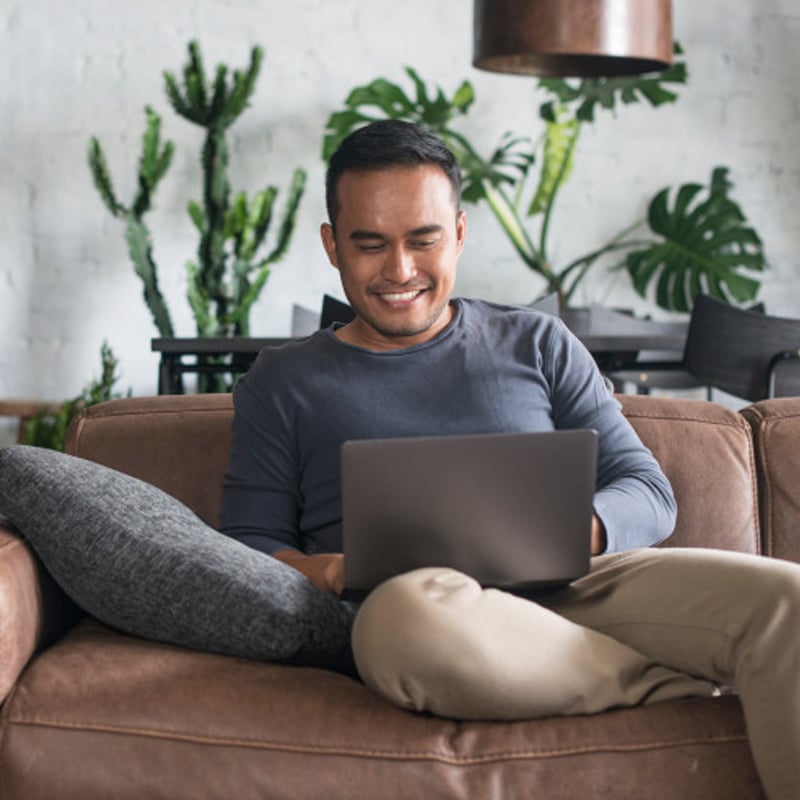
<point>398,237</point>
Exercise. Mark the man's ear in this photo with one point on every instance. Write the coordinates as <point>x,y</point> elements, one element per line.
<point>461,230</point>
<point>329,243</point>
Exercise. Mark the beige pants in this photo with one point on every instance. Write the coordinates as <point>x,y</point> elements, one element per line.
<point>632,631</point>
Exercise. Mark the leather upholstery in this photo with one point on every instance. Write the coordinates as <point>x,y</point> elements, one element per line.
<point>776,431</point>
<point>706,451</point>
<point>104,715</point>
<point>101,714</point>
<point>33,610</point>
<point>176,442</point>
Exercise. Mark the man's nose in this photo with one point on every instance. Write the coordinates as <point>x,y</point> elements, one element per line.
<point>399,266</point>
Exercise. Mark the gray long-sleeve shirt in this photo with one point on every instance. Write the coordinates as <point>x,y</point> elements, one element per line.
<point>493,369</point>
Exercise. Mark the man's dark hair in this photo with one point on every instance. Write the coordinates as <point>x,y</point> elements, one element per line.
<point>388,143</point>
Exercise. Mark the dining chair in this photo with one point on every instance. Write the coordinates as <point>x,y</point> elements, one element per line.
<point>653,370</point>
<point>743,352</point>
<point>548,304</point>
<point>334,310</point>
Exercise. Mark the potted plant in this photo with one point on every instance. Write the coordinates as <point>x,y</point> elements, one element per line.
<point>49,428</point>
<point>694,239</point>
<point>233,258</point>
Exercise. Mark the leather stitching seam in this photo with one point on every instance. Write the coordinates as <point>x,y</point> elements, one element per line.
<point>510,755</point>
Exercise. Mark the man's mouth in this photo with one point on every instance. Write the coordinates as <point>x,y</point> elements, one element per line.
<point>400,297</point>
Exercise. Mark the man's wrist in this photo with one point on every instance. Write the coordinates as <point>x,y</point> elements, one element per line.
<point>599,539</point>
<point>324,570</point>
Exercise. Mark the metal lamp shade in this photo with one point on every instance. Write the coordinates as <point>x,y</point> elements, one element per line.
<point>565,38</point>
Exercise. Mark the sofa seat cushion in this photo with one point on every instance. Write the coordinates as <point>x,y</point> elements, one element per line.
<point>101,714</point>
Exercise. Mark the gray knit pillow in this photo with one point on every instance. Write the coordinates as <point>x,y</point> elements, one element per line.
<point>139,560</point>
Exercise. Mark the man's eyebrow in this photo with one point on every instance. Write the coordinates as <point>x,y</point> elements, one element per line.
<point>359,235</point>
<point>424,230</point>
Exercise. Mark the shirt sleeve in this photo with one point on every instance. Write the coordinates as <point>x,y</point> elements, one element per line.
<point>633,499</point>
<point>260,501</point>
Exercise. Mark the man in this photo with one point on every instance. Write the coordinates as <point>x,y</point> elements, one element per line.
<point>643,626</point>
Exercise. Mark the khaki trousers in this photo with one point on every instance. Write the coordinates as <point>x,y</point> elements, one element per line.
<point>642,627</point>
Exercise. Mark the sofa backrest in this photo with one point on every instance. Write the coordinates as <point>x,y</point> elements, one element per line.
<point>706,451</point>
<point>776,435</point>
<point>176,442</point>
<point>180,443</point>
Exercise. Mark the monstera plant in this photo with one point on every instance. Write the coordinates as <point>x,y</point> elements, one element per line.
<point>697,242</point>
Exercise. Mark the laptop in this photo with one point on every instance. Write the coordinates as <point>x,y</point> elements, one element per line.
<point>513,510</point>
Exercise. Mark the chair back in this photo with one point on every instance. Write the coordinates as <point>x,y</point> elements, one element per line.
<point>740,351</point>
<point>548,304</point>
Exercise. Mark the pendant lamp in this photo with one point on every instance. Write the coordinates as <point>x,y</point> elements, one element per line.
<point>572,38</point>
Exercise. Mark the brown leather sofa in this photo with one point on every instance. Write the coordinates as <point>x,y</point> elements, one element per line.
<point>92,713</point>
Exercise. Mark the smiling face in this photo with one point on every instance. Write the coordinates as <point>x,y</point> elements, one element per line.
<point>396,244</point>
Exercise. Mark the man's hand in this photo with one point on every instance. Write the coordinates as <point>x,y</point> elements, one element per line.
<point>598,536</point>
<point>324,570</point>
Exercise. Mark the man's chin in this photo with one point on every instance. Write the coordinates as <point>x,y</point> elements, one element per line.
<point>410,328</point>
<point>400,325</point>
<point>407,331</point>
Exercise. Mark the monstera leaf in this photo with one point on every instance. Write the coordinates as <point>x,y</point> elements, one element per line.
<point>706,246</point>
<point>585,95</point>
<point>431,108</point>
<point>382,99</point>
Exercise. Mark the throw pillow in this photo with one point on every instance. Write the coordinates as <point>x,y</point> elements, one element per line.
<point>141,561</point>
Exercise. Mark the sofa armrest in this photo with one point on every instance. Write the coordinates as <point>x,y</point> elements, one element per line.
<point>33,610</point>
<point>776,433</point>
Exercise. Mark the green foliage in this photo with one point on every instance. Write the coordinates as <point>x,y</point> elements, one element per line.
<point>382,99</point>
<point>557,152</point>
<point>709,255</point>
<point>50,430</point>
<point>582,97</point>
<point>233,257</point>
<point>154,162</point>
<point>508,165</point>
<point>705,244</point>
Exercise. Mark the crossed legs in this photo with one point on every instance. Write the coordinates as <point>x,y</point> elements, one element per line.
<point>643,626</point>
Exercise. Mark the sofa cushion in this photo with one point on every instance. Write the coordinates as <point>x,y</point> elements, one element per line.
<point>706,451</point>
<point>101,714</point>
<point>163,573</point>
<point>776,432</point>
<point>179,443</point>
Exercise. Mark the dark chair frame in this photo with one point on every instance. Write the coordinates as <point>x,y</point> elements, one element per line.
<point>743,352</point>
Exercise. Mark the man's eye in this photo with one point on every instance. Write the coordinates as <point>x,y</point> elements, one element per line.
<point>424,244</point>
<point>370,248</point>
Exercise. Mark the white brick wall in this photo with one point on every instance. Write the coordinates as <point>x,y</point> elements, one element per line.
<point>70,70</point>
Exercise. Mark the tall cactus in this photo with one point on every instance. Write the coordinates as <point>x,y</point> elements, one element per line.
<point>153,164</point>
<point>229,273</point>
<point>233,262</point>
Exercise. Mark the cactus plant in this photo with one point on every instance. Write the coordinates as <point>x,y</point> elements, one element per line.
<point>153,164</point>
<point>233,262</point>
